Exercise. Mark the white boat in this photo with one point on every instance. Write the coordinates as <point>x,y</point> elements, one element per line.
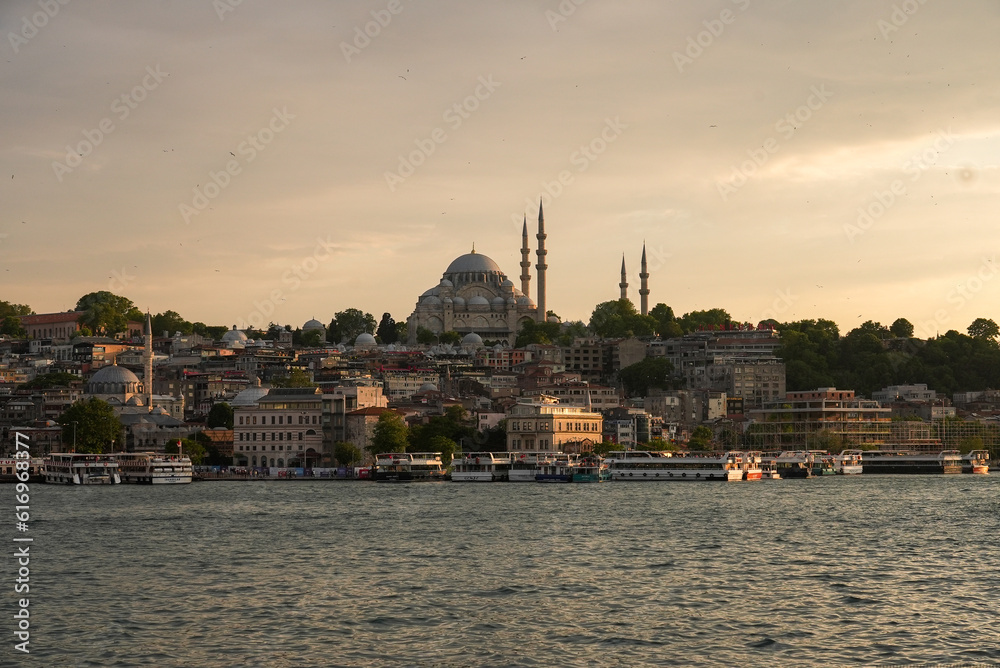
<point>907,461</point>
<point>9,470</point>
<point>977,461</point>
<point>524,466</point>
<point>77,468</point>
<point>768,472</point>
<point>642,466</point>
<point>752,464</point>
<point>848,462</point>
<point>559,468</point>
<point>481,467</point>
<point>409,467</point>
<point>150,468</point>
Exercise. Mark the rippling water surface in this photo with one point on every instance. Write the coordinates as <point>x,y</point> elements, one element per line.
<point>872,570</point>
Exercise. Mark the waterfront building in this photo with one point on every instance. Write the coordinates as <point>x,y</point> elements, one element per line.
<point>795,421</point>
<point>277,428</point>
<point>547,426</point>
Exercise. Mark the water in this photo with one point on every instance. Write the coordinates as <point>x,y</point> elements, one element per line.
<point>866,570</point>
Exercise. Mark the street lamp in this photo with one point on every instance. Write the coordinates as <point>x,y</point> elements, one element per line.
<point>74,435</point>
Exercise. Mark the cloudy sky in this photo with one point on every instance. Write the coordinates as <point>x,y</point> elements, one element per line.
<point>247,161</point>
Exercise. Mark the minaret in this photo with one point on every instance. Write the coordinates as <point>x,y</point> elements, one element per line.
<point>541,266</point>
<point>525,261</point>
<point>148,371</point>
<point>643,284</point>
<point>624,284</point>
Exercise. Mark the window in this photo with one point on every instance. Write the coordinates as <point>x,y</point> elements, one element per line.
<point>281,419</point>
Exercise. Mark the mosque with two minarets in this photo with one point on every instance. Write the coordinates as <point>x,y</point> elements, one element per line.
<point>475,298</point>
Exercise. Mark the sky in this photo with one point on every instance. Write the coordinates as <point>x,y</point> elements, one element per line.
<point>242,162</point>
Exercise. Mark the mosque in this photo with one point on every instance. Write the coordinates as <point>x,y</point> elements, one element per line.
<point>475,297</point>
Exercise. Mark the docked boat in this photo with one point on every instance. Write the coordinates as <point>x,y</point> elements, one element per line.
<point>481,467</point>
<point>823,463</point>
<point>524,466</point>
<point>848,462</point>
<point>794,464</point>
<point>409,467</point>
<point>768,472</point>
<point>150,468</point>
<point>752,464</point>
<point>906,461</point>
<point>977,461</point>
<point>9,470</point>
<point>78,468</point>
<point>559,468</point>
<point>641,465</point>
<point>591,469</point>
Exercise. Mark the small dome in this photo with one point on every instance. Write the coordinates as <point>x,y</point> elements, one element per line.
<point>365,339</point>
<point>113,380</point>
<point>312,324</point>
<point>507,283</point>
<point>428,387</point>
<point>498,301</point>
<point>459,302</point>
<point>430,300</point>
<point>478,301</point>
<point>445,283</point>
<point>447,300</point>
<point>133,401</point>
<point>472,339</point>
<point>159,410</point>
<point>525,300</point>
<point>432,291</point>
<point>233,336</point>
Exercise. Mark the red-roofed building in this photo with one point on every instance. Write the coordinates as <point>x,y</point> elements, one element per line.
<point>55,326</point>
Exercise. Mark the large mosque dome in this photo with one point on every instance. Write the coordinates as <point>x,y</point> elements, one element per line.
<point>471,262</point>
<point>113,379</point>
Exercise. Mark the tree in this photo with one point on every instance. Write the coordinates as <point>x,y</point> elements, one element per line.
<point>95,424</point>
<point>45,381</point>
<point>425,337</point>
<point>543,333</point>
<point>619,319</point>
<point>351,322</point>
<point>295,378</point>
<point>667,326</point>
<point>445,446</point>
<point>389,434</point>
<point>387,332</point>
<point>659,445</point>
<point>983,328</point>
<point>710,319</point>
<point>171,322</point>
<point>701,438</point>
<point>220,415</point>
<point>311,338</point>
<point>333,332</point>
<point>189,447</point>
<point>106,313</point>
<point>11,327</point>
<point>402,330</point>
<point>452,337</point>
<point>650,372</point>
<point>901,328</point>
<point>347,454</point>
<point>604,447</point>
<point>8,309</point>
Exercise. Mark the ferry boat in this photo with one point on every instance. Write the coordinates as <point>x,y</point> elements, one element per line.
<point>752,464</point>
<point>977,461</point>
<point>768,472</point>
<point>794,464</point>
<point>848,462</point>
<point>409,467</point>
<point>481,467</point>
<point>524,466</point>
<point>906,461</point>
<point>78,468</point>
<point>823,463</point>
<point>150,468</point>
<point>641,465</point>
<point>8,469</point>
<point>559,468</point>
<point>591,469</point>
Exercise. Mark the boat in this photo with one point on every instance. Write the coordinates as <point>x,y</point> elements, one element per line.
<point>409,467</point>
<point>524,466</point>
<point>9,470</point>
<point>848,462</point>
<point>768,472</point>
<point>641,465</point>
<point>151,468</point>
<point>481,467</point>
<point>78,468</point>
<point>752,464</point>
<point>823,463</point>
<point>558,468</point>
<point>794,464</point>
<point>977,461</point>
<point>907,461</point>
<point>591,468</point>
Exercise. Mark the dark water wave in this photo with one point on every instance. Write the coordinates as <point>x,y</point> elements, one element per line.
<point>837,571</point>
